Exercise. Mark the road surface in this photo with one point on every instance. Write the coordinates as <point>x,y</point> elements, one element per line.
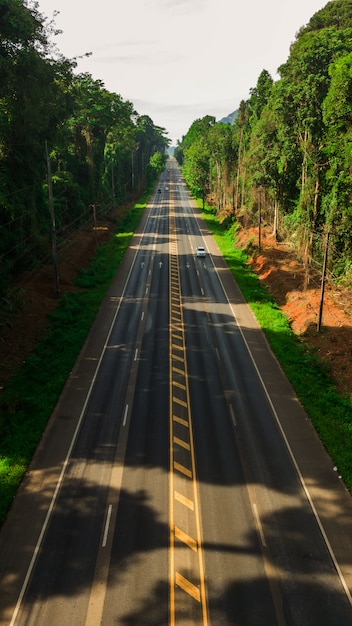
<point>179,481</point>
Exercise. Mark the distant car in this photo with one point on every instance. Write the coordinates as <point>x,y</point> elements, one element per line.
<point>159,190</point>
<point>201,251</point>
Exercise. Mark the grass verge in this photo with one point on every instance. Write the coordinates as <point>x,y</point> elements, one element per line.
<point>31,395</point>
<point>330,412</point>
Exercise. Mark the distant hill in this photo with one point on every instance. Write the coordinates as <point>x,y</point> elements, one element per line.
<point>229,119</point>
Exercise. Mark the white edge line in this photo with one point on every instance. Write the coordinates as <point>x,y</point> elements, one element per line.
<point>68,455</point>
<point>107,524</point>
<point>232,415</point>
<point>125,415</point>
<point>259,524</point>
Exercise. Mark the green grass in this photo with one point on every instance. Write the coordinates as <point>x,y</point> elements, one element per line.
<point>31,395</point>
<point>330,412</point>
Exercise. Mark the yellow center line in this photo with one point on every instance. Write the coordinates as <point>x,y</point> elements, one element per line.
<point>182,467</point>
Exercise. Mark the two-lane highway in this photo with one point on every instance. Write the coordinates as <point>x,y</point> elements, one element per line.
<point>179,481</point>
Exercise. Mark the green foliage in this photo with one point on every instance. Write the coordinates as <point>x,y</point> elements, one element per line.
<point>336,14</point>
<point>287,160</point>
<point>156,166</point>
<point>99,146</point>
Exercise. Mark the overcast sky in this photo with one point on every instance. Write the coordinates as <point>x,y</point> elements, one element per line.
<point>178,60</point>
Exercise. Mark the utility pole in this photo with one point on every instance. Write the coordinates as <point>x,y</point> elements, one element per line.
<point>260,220</point>
<point>112,185</point>
<point>323,282</point>
<point>53,224</point>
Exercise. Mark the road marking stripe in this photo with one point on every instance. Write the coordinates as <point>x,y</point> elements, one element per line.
<point>178,371</point>
<point>176,357</point>
<point>125,415</point>
<point>259,524</point>
<point>175,347</point>
<point>232,415</point>
<point>180,420</point>
<point>189,541</point>
<point>182,443</point>
<point>184,470</point>
<point>183,500</point>
<point>187,586</point>
<point>181,402</point>
<point>179,385</point>
<point>107,524</point>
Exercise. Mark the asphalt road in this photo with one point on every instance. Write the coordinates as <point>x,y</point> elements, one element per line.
<point>179,481</point>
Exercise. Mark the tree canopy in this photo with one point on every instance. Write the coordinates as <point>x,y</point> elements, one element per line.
<point>288,154</point>
<point>99,146</point>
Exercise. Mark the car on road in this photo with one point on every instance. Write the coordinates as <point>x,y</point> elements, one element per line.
<point>201,251</point>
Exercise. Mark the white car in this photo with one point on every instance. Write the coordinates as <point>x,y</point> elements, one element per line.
<point>201,251</point>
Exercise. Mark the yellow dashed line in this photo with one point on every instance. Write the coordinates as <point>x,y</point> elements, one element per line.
<point>189,541</point>
<point>181,421</point>
<point>180,402</point>
<point>187,586</point>
<point>184,470</point>
<point>178,371</point>
<point>178,358</point>
<point>183,500</point>
<point>179,385</point>
<point>182,443</point>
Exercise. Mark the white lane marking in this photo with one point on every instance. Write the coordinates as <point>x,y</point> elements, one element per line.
<point>259,524</point>
<point>232,415</point>
<point>125,416</point>
<point>136,354</point>
<point>142,316</point>
<point>107,524</point>
<point>146,290</point>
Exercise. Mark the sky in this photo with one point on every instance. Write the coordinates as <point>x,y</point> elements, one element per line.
<point>179,60</point>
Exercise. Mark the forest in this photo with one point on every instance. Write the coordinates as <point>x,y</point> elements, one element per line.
<point>286,162</point>
<point>70,150</point>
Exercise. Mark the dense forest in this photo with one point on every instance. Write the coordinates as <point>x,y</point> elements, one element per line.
<point>286,162</point>
<point>66,143</point>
